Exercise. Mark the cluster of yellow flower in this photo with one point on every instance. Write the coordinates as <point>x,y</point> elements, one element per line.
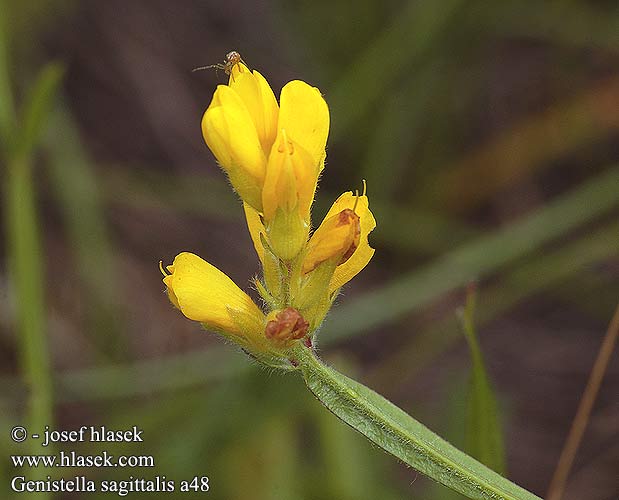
<point>273,155</point>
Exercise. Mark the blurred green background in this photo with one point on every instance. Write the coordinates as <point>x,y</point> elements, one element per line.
<point>488,133</point>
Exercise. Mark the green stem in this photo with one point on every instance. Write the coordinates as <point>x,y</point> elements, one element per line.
<point>7,104</point>
<point>401,435</point>
<point>26,269</point>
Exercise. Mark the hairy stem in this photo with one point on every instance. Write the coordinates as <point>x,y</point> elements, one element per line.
<point>399,434</point>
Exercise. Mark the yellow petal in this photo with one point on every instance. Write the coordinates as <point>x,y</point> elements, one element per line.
<point>270,110</point>
<point>203,293</point>
<point>260,101</point>
<point>287,195</point>
<point>230,133</point>
<point>305,117</point>
<point>280,186</point>
<point>237,70</point>
<point>362,255</point>
<point>246,87</point>
<point>290,181</point>
<point>337,238</point>
<point>255,226</point>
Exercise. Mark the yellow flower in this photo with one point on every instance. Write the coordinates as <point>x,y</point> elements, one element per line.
<point>298,154</point>
<point>203,293</point>
<point>363,253</point>
<point>272,154</point>
<point>239,127</point>
<point>337,238</point>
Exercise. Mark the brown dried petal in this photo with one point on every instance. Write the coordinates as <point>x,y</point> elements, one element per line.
<point>287,325</point>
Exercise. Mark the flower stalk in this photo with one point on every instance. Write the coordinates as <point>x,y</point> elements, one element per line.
<point>401,435</point>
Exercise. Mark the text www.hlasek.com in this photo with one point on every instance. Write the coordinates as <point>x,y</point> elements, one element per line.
<point>73,459</point>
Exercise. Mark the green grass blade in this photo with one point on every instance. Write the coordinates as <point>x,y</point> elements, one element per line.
<point>171,373</point>
<point>414,31</point>
<point>28,284</point>
<point>542,272</point>
<point>7,105</point>
<point>484,436</point>
<point>38,106</point>
<point>25,256</point>
<point>399,434</point>
<point>282,459</point>
<point>398,124</point>
<point>474,260</point>
<point>571,24</point>
<point>77,190</point>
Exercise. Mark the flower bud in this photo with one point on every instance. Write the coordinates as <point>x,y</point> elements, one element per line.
<point>362,254</point>
<point>287,195</point>
<point>239,127</point>
<point>286,325</point>
<point>203,293</point>
<point>337,238</point>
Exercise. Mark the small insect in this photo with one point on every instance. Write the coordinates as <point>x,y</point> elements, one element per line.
<point>232,59</point>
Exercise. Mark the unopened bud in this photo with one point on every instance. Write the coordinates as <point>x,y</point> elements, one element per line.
<point>288,324</point>
<point>337,237</point>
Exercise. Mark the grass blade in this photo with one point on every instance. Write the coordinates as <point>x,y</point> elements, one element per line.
<point>414,31</point>
<point>483,428</point>
<point>526,280</point>
<point>474,260</point>
<point>28,284</point>
<point>581,419</point>
<point>25,256</point>
<point>7,105</point>
<point>77,191</point>
<point>36,112</point>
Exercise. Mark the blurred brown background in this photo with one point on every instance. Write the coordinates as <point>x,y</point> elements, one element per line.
<point>488,133</point>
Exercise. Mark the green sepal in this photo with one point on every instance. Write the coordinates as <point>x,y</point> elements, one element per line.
<point>253,341</point>
<point>272,273</point>
<point>312,298</point>
<point>269,300</point>
<point>246,186</point>
<point>288,233</point>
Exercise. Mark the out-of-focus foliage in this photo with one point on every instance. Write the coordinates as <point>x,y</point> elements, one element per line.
<point>484,436</point>
<point>488,134</point>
